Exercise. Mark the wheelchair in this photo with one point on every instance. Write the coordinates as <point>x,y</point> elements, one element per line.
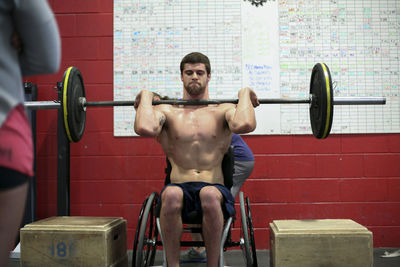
<point>148,231</point>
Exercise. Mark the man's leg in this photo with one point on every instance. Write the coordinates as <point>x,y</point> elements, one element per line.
<point>213,222</point>
<point>171,223</point>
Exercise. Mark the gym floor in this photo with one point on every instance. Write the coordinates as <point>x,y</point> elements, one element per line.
<point>234,258</point>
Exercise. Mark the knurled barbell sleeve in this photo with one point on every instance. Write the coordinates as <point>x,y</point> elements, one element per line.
<point>34,105</point>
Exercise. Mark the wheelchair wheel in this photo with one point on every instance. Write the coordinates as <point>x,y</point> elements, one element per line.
<point>247,242</point>
<point>144,246</point>
<point>251,232</point>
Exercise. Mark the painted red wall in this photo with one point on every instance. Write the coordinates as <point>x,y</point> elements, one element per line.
<point>295,177</point>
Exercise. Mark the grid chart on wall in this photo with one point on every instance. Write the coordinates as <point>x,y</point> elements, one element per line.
<point>271,48</point>
<point>359,40</point>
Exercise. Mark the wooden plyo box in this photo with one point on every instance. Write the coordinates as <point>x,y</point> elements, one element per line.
<point>74,241</point>
<point>315,243</point>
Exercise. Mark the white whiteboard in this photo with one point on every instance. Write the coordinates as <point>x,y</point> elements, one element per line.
<point>271,48</point>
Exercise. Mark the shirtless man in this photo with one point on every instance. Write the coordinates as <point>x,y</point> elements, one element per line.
<point>195,139</point>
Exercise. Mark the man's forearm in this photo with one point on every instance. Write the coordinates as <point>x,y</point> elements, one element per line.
<point>145,121</point>
<point>244,119</point>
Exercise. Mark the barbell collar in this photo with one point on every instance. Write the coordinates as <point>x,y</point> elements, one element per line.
<point>82,103</point>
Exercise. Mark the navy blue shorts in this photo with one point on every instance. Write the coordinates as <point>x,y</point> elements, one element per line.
<point>191,211</point>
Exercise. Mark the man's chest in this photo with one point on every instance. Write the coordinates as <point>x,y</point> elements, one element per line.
<point>203,123</point>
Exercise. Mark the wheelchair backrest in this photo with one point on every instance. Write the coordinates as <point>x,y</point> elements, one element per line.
<point>227,168</point>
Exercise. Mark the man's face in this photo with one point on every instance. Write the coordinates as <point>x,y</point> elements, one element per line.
<point>195,78</point>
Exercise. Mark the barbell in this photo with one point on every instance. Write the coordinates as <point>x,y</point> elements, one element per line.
<point>73,102</point>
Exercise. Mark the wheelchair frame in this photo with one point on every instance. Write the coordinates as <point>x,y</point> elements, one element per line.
<point>148,229</point>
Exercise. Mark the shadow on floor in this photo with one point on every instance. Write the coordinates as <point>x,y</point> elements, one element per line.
<point>234,258</point>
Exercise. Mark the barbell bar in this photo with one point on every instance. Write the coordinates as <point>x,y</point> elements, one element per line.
<point>35,105</point>
<point>321,101</point>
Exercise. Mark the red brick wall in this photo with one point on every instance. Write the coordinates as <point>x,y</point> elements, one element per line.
<point>295,177</point>
<point>345,176</point>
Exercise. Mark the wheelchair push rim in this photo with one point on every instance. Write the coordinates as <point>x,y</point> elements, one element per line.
<point>251,231</point>
<point>247,242</point>
<point>144,248</point>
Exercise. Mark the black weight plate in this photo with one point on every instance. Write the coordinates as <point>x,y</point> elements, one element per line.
<point>73,113</point>
<point>321,107</point>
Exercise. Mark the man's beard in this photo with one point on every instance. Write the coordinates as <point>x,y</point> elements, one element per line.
<point>194,88</point>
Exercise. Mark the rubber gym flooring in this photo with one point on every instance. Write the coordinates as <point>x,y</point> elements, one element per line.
<point>234,258</point>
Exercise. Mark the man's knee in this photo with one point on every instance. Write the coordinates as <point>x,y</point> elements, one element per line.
<point>211,199</point>
<point>172,200</point>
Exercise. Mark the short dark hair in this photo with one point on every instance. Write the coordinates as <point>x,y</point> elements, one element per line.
<point>196,57</point>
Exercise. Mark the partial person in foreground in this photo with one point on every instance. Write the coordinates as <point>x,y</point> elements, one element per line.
<point>29,45</point>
